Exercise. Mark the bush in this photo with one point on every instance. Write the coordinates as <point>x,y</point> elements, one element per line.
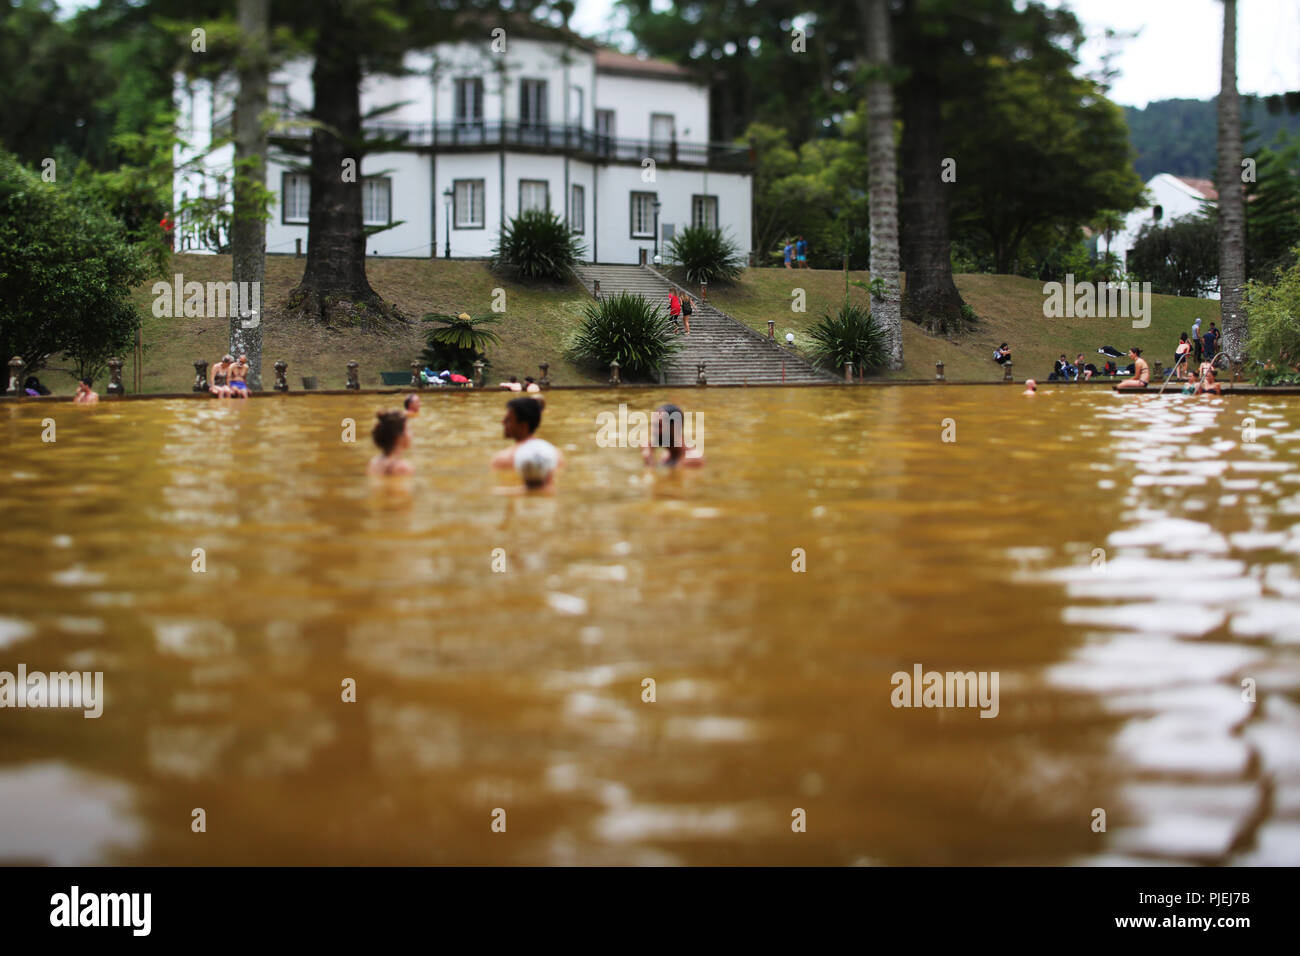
<point>1274,312</point>
<point>706,255</point>
<point>457,342</point>
<point>67,270</point>
<point>627,328</point>
<point>849,335</point>
<point>537,246</point>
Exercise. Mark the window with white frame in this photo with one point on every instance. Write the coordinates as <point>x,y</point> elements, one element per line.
<point>469,203</point>
<point>643,215</point>
<point>577,208</point>
<point>295,199</point>
<point>704,211</point>
<point>605,123</point>
<point>663,130</point>
<point>376,201</point>
<point>469,101</point>
<point>534,194</point>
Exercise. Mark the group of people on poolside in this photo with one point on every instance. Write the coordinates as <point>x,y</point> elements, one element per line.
<point>228,378</point>
<point>536,460</point>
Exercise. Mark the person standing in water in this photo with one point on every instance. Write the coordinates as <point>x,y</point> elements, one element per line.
<point>411,405</point>
<point>536,459</point>
<point>1141,372</point>
<point>85,393</point>
<point>1031,387</point>
<point>667,430</point>
<point>392,438</point>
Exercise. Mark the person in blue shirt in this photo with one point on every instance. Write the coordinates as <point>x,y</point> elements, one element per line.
<point>788,252</point>
<point>801,252</point>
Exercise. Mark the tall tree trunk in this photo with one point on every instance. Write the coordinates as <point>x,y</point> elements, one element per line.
<point>248,229</point>
<point>883,177</point>
<point>931,299</point>
<point>334,288</point>
<point>1232,203</point>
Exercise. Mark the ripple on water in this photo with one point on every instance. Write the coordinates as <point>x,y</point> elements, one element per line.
<point>57,816</point>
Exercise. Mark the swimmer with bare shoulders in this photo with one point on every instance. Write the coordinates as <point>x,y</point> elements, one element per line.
<point>1031,387</point>
<point>537,460</point>
<point>392,438</point>
<point>1208,382</point>
<point>411,405</point>
<point>1141,372</point>
<point>85,393</point>
<point>667,430</point>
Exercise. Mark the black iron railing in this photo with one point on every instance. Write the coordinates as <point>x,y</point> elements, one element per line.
<point>580,142</point>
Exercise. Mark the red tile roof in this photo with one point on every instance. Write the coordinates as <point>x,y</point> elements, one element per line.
<point>612,61</point>
<point>1202,186</point>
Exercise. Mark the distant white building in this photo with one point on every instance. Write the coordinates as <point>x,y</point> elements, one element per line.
<point>1171,197</point>
<point>616,145</point>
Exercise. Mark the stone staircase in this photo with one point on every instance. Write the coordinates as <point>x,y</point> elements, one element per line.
<point>734,354</point>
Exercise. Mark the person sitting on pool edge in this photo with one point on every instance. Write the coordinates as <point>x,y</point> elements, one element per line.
<point>220,373</point>
<point>392,438</point>
<point>1141,372</point>
<point>667,431</point>
<point>85,393</point>
<point>522,419</point>
<point>238,380</point>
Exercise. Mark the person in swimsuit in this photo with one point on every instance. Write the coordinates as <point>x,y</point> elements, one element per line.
<point>220,374</point>
<point>531,386</point>
<point>1208,382</point>
<point>238,380</point>
<point>85,393</point>
<point>1182,353</point>
<point>667,431</point>
<point>411,405</point>
<point>1031,387</point>
<point>1141,371</point>
<point>392,438</point>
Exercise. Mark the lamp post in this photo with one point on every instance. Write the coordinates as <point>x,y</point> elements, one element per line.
<point>446,201</point>
<point>657,206</point>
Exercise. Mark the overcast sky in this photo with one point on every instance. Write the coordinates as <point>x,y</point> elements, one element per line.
<point>1176,54</point>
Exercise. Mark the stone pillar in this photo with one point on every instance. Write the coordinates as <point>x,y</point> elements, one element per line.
<point>354,382</point>
<point>613,373</point>
<point>478,373</point>
<point>938,371</point>
<point>701,378</point>
<point>1159,369</point>
<point>16,376</point>
<point>200,376</point>
<point>1006,372</point>
<point>115,377</point>
<point>281,375</point>
<point>545,380</point>
<point>848,372</point>
<point>416,381</point>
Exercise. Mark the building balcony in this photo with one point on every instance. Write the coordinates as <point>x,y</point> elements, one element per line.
<point>579,143</point>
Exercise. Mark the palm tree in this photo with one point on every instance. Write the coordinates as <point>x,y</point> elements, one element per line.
<point>457,341</point>
<point>1232,212</point>
<point>883,176</point>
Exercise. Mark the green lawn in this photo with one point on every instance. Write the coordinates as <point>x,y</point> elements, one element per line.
<point>537,324</point>
<point>1010,309</point>
<point>534,327</point>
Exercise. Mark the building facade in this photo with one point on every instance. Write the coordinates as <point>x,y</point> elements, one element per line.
<point>616,145</point>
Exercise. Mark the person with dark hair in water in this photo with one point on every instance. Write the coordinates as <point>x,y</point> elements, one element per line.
<point>1141,372</point>
<point>667,430</point>
<point>536,459</point>
<point>392,438</point>
<point>411,405</point>
<point>86,394</point>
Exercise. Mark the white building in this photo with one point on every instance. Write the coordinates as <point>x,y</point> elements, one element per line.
<point>612,143</point>
<point>1170,197</point>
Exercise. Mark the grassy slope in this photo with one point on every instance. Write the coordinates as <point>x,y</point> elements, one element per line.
<point>1010,309</point>
<point>537,324</point>
<point>533,329</point>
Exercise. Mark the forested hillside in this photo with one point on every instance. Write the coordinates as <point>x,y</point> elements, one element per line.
<point>1178,136</point>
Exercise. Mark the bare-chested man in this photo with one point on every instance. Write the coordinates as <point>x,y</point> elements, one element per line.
<point>85,393</point>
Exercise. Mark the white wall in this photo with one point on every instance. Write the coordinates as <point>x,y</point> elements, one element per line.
<point>1176,200</point>
<point>633,99</point>
<point>675,189</point>
<point>524,59</point>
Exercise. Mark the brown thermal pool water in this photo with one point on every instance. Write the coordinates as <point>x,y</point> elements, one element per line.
<point>1126,566</point>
